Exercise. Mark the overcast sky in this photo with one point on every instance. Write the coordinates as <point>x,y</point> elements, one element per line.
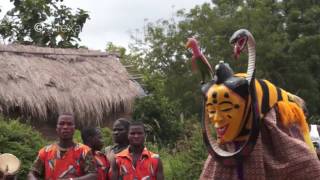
<point>113,20</point>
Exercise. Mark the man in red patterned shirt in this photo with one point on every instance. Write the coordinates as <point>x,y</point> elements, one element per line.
<point>65,159</point>
<point>136,162</point>
<point>92,138</point>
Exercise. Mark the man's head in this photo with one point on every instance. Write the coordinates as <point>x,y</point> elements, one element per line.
<point>120,131</point>
<point>92,137</point>
<point>65,126</point>
<point>136,134</point>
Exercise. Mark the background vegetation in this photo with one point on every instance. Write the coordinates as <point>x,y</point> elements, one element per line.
<point>20,140</point>
<point>288,43</point>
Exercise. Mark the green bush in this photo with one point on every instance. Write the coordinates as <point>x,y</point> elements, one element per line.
<point>161,117</point>
<point>191,153</point>
<point>22,141</point>
<point>186,160</point>
<point>106,136</point>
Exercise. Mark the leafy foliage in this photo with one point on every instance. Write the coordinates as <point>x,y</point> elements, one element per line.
<point>161,118</point>
<point>287,36</point>
<point>186,160</point>
<point>111,48</point>
<point>43,23</point>
<point>20,140</point>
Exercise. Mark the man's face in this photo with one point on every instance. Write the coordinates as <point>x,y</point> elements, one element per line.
<point>119,133</point>
<point>65,127</point>
<point>97,140</point>
<point>225,109</point>
<point>136,135</point>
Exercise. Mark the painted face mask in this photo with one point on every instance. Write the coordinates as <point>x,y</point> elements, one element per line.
<point>236,104</point>
<point>226,111</point>
<point>227,105</point>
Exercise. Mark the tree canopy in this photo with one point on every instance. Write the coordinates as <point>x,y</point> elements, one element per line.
<point>286,33</point>
<point>43,23</point>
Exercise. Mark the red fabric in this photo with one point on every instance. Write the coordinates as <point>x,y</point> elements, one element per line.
<point>65,166</point>
<point>102,165</point>
<point>146,165</point>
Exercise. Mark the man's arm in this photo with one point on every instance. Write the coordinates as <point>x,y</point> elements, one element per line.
<point>89,168</point>
<point>160,175</point>
<point>37,169</point>
<point>114,169</point>
<point>318,153</point>
<point>89,176</point>
<point>4,176</point>
<point>32,176</point>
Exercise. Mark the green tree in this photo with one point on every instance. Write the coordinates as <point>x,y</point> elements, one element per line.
<point>303,29</point>
<point>161,118</point>
<point>286,32</point>
<point>120,51</point>
<point>43,23</point>
<point>187,159</point>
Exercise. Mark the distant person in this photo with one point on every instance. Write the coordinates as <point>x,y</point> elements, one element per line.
<point>136,162</point>
<point>120,137</point>
<point>65,159</point>
<point>92,138</point>
<point>315,137</point>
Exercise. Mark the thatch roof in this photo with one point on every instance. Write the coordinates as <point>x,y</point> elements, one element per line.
<point>38,83</point>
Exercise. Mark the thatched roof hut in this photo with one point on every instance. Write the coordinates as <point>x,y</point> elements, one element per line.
<point>36,84</point>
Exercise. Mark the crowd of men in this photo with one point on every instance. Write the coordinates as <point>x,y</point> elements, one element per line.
<point>127,159</point>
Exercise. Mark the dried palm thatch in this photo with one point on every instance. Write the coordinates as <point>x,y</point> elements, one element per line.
<point>38,83</point>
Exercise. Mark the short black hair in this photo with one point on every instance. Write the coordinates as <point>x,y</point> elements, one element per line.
<point>66,114</point>
<point>125,122</point>
<point>137,123</point>
<point>86,133</point>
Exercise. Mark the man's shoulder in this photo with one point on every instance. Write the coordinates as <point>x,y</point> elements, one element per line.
<point>155,155</point>
<point>107,149</point>
<point>82,147</point>
<point>114,149</point>
<point>154,158</point>
<point>123,153</point>
<point>152,154</point>
<point>48,148</point>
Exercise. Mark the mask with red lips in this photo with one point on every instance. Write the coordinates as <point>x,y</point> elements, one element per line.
<point>227,104</point>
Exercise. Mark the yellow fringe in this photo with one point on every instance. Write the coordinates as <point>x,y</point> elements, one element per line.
<point>291,113</point>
